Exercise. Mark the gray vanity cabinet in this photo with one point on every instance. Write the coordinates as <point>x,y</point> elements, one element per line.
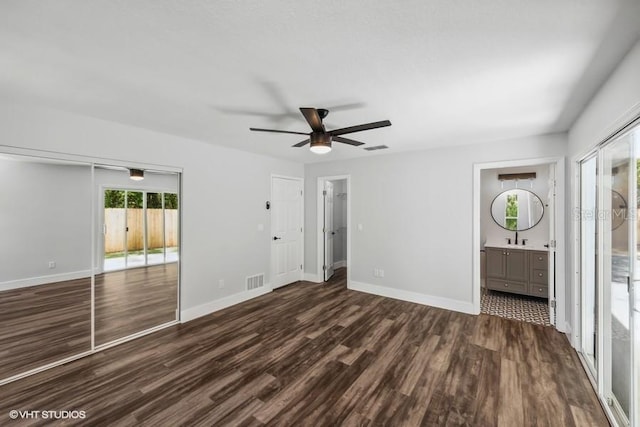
<point>518,271</point>
<point>539,274</point>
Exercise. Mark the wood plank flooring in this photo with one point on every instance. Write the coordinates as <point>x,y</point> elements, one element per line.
<point>46,323</point>
<point>130,301</point>
<point>43,324</point>
<point>310,354</point>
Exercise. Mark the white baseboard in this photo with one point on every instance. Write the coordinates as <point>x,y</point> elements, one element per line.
<point>310,277</point>
<point>219,304</point>
<point>410,296</point>
<point>43,280</point>
<point>340,264</point>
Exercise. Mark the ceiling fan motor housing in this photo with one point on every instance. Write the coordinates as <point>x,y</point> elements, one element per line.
<point>320,139</point>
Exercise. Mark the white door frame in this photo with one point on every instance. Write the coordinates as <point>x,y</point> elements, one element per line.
<point>271,254</point>
<point>559,222</point>
<point>320,225</point>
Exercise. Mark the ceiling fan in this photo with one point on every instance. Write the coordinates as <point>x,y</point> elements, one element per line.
<point>319,137</point>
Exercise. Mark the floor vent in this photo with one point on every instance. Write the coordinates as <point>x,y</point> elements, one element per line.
<point>256,281</point>
<point>377,147</point>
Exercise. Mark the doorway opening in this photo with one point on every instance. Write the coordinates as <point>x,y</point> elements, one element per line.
<point>518,229</point>
<point>333,229</point>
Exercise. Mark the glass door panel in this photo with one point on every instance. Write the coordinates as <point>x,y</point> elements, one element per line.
<point>588,244</point>
<point>171,226</point>
<point>620,250</point>
<point>136,254</point>
<point>114,230</point>
<point>155,229</point>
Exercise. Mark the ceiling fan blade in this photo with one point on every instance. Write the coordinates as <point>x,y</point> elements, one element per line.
<point>302,143</point>
<point>347,141</point>
<point>313,118</point>
<point>360,128</point>
<point>277,131</point>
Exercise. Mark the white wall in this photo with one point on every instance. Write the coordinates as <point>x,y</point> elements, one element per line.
<point>415,209</point>
<point>491,187</point>
<point>340,221</point>
<point>45,216</point>
<point>616,103</point>
<point>223,197</point>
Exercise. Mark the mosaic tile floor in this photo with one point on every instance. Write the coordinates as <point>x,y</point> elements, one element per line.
<point>516,307</point>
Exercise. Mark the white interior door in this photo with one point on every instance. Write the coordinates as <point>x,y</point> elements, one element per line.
<point>286,231</point>
<point>328,230</point>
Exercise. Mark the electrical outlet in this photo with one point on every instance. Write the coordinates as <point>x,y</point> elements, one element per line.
<point>380,273</point>
<point>52,264</point>
<point>221,283</point>
<point>375,272</point>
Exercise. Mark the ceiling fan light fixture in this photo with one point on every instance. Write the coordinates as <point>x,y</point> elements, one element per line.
<point>136,174</point>
<point>320,143</point>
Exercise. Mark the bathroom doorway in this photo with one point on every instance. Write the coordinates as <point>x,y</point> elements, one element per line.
<point>333,229</point>
<point>518,234</point>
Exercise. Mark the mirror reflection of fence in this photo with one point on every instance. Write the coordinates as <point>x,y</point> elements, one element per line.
<point>46,251</point>
<point>45,279</point>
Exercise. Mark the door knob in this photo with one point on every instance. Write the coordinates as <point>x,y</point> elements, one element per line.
<point>276,238</point>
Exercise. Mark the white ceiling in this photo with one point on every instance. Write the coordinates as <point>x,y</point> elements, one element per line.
<point>444,72</point>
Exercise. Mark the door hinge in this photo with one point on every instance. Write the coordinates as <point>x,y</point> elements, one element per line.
<point>324,268</point>
<point>552,303</point>
<point>324,192</point>
<point>301,192</point>
<point>300,266</point>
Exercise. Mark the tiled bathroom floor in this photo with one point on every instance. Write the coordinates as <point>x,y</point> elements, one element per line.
<point>516,307</point>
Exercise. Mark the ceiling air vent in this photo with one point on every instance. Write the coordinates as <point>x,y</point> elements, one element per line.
<point>256,281</point>
<point>377,147</point>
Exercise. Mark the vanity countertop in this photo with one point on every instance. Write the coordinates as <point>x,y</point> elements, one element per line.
<point>521,247</point>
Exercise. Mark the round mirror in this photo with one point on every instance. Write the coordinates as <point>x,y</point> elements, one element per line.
<point>618,210</point>
<point>517,210</point>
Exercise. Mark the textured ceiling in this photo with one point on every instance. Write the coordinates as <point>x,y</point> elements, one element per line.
<point>444,72</point>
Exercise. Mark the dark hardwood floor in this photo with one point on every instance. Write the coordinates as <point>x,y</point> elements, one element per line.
<point>46,323</point>
<point>43,324</point>
<point>313,354</point>
<point>130,301</point>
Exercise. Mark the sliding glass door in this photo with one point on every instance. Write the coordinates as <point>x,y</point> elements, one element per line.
<point>620,259</point>
<point>588,240</point>
<point>140,228</point>
<point>610,273</point>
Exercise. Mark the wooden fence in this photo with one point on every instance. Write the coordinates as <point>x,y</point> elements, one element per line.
<point>114,219</point>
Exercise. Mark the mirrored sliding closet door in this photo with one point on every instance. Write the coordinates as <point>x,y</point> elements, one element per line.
<point>89,257</point>
<point>45,253</point>
<point>136,282</point>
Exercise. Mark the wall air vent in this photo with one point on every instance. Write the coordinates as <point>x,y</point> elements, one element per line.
<point>254,282</point>
<point>377,147</point>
